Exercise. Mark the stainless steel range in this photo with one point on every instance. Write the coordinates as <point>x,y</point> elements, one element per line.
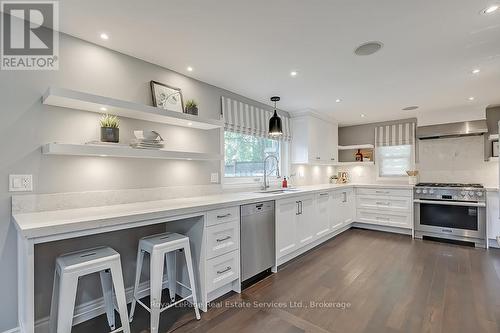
<point>451,211</point>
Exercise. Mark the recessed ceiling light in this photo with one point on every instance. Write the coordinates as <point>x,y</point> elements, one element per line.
<point>490,9</point>
<point>410,108</point>
<point>362,115</point>
<point>104,36</point>
<point>189,69</point>
<point>190,124</point>
<point>338,100</point>
<point>368,48</point>
<point>471,98</point>
<point>293,73</point>
<point>476,71</point>
<point>103,108</point>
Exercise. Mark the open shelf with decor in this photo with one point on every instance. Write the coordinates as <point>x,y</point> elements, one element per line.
<point>118,150</point>
<point>72,99</point>
<point>347,154</point>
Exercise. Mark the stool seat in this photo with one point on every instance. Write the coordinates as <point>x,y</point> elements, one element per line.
<point>69,268</point>
<point>86,259</point>
<point>162,241</point>
<point>162,249</point>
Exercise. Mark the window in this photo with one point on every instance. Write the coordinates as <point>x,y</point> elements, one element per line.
<point>394,160</point>
<point>245,154</point>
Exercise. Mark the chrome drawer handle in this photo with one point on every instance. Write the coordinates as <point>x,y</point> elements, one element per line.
<point>384,203</point>
<point>383,218</point>
<point>223,216</point>
<point>323,194</point>
<point>223,239</point>
<point>228,268</point>
<point>382,192</point>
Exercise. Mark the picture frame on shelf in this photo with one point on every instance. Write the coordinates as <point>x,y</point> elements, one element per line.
<point>167,97</point>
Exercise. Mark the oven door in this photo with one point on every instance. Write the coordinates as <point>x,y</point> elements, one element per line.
<point>466,219</point>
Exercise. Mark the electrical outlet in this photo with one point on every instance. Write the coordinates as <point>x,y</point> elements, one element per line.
<point>214,177</point>
<point>20,183</point>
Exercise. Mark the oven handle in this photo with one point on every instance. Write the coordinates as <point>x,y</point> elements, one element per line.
<point>451,203</point>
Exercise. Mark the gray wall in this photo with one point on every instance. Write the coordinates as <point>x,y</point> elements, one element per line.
<point>492,119</point>
<point>26,124</point>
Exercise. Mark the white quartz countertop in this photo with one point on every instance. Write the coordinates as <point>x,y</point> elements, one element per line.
<point>50,223</point>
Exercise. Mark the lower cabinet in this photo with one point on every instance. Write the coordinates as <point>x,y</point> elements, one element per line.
<point>343,208</point>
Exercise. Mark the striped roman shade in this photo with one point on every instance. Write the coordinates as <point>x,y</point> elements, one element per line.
<point>395,135</point>
<point>244,118</point>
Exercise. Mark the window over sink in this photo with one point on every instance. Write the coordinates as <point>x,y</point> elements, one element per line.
<point>244,155</point>
<point>393,161</point>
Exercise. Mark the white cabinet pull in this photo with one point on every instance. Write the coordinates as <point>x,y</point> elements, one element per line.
<point>223,216</point>
<point>223,239</point>
<point>228,268</point>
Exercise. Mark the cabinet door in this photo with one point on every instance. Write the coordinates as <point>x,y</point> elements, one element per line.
<point>286,220</point>
<point>315,144</point>
<point>322,220</point>
<point>332,144</point>
<point>305,224</point>
<point>349,206</point>
<point>336,213</point>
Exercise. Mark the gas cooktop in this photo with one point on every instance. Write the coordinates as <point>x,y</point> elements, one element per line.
<point>449,185</point>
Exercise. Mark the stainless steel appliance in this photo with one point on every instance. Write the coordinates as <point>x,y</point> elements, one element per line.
<point>257,240</point>
<point>452,130</point>
<point>451,211</point>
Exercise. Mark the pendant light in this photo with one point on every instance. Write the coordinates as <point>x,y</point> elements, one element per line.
<point>275,126</point>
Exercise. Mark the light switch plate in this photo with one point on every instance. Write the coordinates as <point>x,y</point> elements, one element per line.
<point>20,183</point>
<point>214,177</point>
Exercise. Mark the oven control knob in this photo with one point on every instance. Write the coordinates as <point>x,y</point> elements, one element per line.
<point>471,194</point>
<point>463,193</point>
<point>424,191</point>
<point>431,191</point>
<point>418,191</point>
<point>479,194</point>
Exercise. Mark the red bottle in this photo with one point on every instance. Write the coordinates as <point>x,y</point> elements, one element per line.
<point>284,184</point>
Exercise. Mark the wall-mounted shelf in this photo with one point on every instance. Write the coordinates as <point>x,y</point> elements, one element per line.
<point>493,137</point>
<point>124,151</point>
<point>93,103</point>
<point>493,159</point>
<point>355,163</point>
<point>353,147</point>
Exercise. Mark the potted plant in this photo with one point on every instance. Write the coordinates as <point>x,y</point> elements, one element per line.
<point>110,131</point>
<point>191,107</point>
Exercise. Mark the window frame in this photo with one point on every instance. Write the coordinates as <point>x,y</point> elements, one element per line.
<point>378,160</point>
<point>256,181</point>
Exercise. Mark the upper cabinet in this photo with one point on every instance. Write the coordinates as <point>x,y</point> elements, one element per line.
<point>315,140</point>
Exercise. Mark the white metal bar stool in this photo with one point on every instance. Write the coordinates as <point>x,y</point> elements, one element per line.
<point>69,268</point>
<point>162,249</point>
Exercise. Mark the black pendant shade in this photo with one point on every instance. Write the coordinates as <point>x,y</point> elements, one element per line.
<point>275,125</point>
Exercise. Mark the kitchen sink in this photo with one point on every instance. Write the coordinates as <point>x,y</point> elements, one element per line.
<point>279,191</point>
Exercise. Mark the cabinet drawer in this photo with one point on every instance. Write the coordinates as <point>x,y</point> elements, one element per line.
<point>391,219</point>
<point>384,191</point>
<point>222,270</point>
<point>384,203</point>
<point>223,215</point>
<point>222,238</point>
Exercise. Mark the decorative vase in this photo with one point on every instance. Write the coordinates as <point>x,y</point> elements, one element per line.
<point>191,110</point>
<point>110,134</point>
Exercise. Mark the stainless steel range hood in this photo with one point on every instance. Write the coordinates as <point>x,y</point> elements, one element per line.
<point>452,130</point>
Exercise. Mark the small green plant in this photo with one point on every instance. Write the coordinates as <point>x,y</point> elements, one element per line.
<point>191,103</point>
<point>109,121</point>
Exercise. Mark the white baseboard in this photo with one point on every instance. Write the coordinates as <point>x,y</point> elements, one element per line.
<point>13,330</point>
<point>375,227</point>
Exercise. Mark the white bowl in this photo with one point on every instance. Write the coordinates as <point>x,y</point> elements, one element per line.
<point>146,135</point>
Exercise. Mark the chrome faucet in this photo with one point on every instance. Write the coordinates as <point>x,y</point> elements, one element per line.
<point>266,185</point>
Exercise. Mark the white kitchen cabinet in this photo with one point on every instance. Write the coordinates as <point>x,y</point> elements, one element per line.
<point>305,220</point>
<point>315,141</point>
<point>343,208</point>
<point>287,211</point>
<point>323,212</point>
<point>493,215</point>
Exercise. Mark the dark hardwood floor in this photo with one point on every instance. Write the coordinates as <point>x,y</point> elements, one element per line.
<point>360,281</point>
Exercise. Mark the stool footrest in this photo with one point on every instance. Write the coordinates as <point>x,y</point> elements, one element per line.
<point>165,308</point>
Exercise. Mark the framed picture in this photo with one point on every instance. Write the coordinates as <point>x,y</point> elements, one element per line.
<point>166,97</point>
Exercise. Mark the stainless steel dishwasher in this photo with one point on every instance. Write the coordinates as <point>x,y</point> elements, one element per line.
<point>257,240</point>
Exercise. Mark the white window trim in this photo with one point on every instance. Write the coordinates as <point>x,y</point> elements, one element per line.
<point>392,178</point>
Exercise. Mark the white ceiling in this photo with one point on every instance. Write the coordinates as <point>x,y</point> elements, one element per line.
<point>251,46</point>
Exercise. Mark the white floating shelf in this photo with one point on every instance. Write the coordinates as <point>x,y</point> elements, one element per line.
<point>124,151</point>
<point>356,163</point>
<point>353,147</point>
<point>493,137</point>
<point>88,102</point>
